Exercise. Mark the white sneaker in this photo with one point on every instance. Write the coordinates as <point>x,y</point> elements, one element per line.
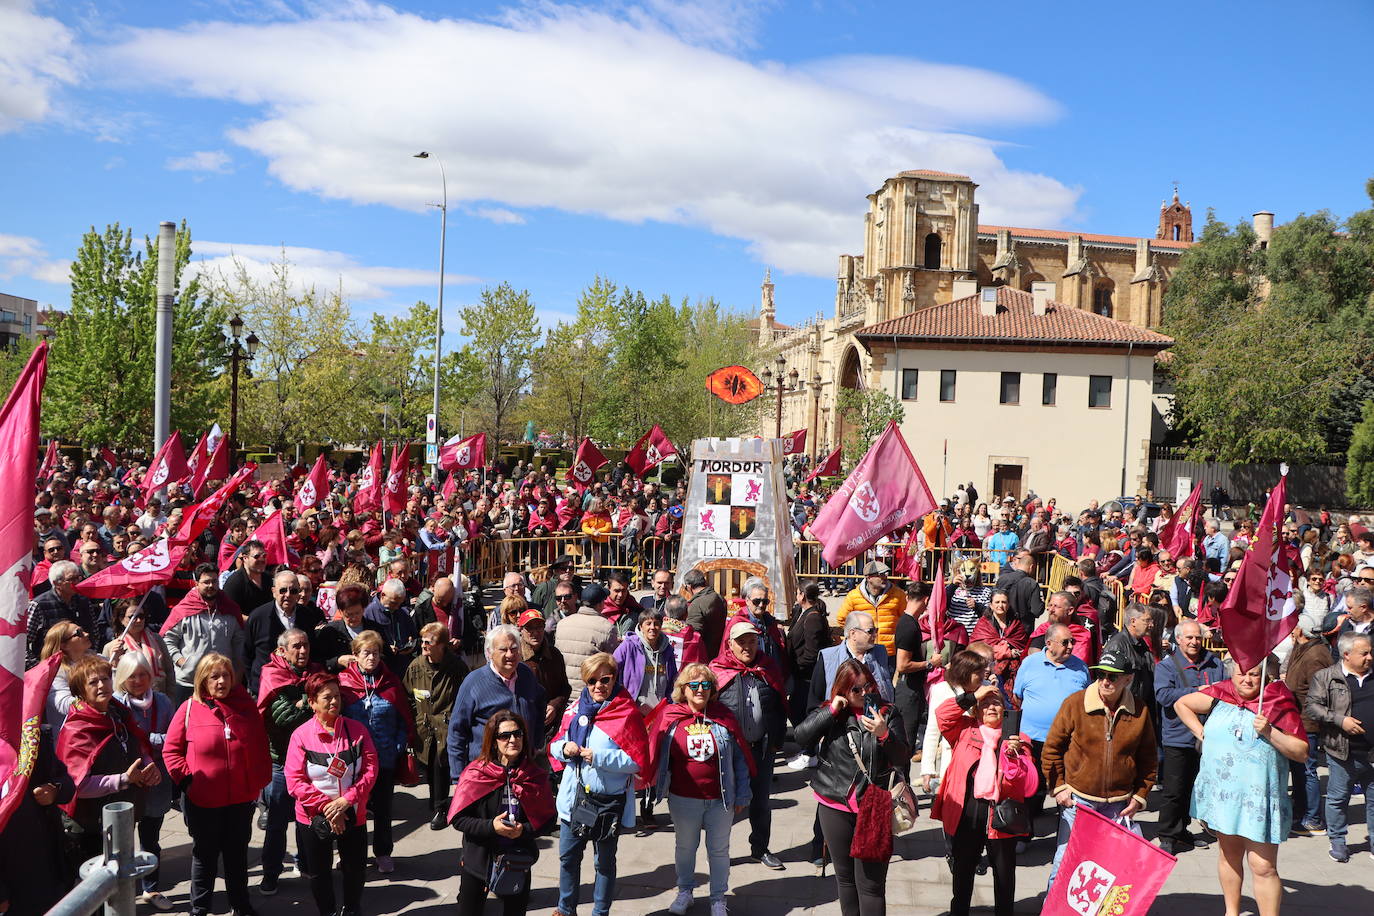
<point>681,903</point>
<point>801,762</point>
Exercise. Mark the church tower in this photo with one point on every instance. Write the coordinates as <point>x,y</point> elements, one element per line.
<point>1175,220</point>
<point>768,310</point>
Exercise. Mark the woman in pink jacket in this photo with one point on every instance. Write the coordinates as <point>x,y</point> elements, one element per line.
<point>984,768</point>
<point>216,752</point>
<point>331,767</point>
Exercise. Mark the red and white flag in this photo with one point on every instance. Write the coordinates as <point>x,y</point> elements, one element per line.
<point>16,763</point>
<point>464,454</point>
<point>194,521</point>
<point>1177,534</point>
<point>794,443</point>
<point>827,468</point>
<point>1106,869</point>
<point>168,467</point>
<point>215,467</point>
<point>1257,614</point>
<point>316,486</point>
<point>272,533</point>
<point>586,463</point>
<point>884,492</point>
<point>108,456</point>
<point>18,444</point>
<point>49,460</point>
<point>394,499</point>
<point>198,455</point>
<point>450,485</point>
<point>369,494</point>
<point>135,574</point>
<point>649,452</point>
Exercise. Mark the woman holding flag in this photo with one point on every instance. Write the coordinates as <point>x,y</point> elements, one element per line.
<point>1241,789</point>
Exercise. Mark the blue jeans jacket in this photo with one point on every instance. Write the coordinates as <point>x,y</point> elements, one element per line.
<point>734,779</point>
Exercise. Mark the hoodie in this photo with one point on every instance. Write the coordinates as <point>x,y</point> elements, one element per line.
<point>194,629</point>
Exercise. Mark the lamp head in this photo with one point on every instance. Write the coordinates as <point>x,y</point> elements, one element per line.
<point>421,155</point>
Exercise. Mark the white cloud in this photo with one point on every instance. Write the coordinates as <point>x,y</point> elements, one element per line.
<point>215,161</point>
<point>36,59</point>
<point>631,116</point>
<point>322,269</point>
<point>500,215</point>
<point>24,256</point>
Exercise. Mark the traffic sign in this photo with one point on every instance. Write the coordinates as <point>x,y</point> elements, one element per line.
<point>432,453</point>
<point>431,429</point>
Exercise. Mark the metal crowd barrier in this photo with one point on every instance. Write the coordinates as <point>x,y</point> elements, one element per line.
<point>110,878</point>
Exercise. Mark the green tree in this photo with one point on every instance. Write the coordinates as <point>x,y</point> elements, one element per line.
<point>101,376</point>
<point>460,384</point>
<point>400,355</point>
<point>571,367</point>
<point>646,349</point>
<point>1359,465</point>
<point>865,413</point>
<point>503,333</point>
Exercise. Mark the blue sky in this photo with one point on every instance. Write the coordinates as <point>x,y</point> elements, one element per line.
<point>673,147</point>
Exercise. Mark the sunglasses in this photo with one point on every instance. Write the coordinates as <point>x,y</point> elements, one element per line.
<point>605,680</point>
<point>759,602</point>
<point>1113,678</point>
<point>135,617</point>
<point>563,597</point>
<point>698,686</point>
<point>871,631</point>
<point>294,590</point>
<point>1063,642</point>
<point>79,634</point>
<point>54,549</point>
<point>516,735</point>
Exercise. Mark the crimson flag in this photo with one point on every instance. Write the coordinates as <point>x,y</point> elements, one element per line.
<point>827,468</point>
<point>794,443</point>
<point>1177,534</point>
<point>464,454</point>
<point>1106,869</point>
<point>216,467</point>
<point>49,460</point>
<point>195,521</point>
<point>18,444</point>
<point>108,456</point>
<point>395,497</point>
<point>168,467</point>
<point>17,762</point>
<point>1257,615</point>
<point>440,564</point>
<point>369,495</point>
<point>272,533</point>
<point>649,452</point>
<point>586,463</point>
<point>937,611</point>
<point>136,574</point>
<point>315,489</point>
<point>450,485</point>
<point>198,455</point>
<point>884,492</point>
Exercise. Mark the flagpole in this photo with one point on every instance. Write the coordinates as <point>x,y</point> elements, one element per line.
<point>1264,669</point>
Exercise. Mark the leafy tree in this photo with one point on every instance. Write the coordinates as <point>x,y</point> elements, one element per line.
<point>865,413</point>
<point>400,354</point>
<point>646,348</point>
<point>571,368</point>
<point>503,333</point>
<point>1359,466</point>
<point>101,377</point>
<point>12,362</point>
<point>460,384</point>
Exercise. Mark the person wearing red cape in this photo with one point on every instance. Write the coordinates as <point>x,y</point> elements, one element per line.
<point>605,745</point>
<point>501,803</point>
<point>700,762</point>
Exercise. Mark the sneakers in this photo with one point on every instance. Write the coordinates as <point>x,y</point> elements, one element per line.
<point>802,762</point>
<point>768,860</point>
<point>1309,830</point>
<point>681,903</point>
<point>1339,853</point>
<point>385,866</point>
<point>156,900</point>
<point>718,908</point>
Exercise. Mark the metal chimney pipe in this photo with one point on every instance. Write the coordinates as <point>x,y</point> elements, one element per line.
<point>166,292</point>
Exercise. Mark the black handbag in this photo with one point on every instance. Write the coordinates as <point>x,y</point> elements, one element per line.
<point>510,872</point>
<point>1011,817</point>
<point>594,816</point>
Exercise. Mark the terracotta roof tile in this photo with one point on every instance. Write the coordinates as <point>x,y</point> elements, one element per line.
<point>930,173</point>
<point>1063,235</point>
<point>1015,322</point>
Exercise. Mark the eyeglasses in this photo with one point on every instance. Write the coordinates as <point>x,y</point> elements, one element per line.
<point>605,680</point>
<point>759,602</point>
<point>1062,642</point>
<point>858,689</point>
<point>516,735</point>
<point>563,597</point>
<point>79,634</point>
<point>293,590</point>
<point>1111,677</point>
<point>429,642</point>
<point>698,686</point>
<point>871,631</point>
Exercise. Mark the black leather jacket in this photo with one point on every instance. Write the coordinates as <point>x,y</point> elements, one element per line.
<point>837,775</point>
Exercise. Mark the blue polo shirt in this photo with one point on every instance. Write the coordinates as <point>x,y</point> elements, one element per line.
<point>1000,546</point>
<point>1042,687</point>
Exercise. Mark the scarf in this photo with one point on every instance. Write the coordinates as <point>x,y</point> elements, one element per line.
<point>528,783</point>
<point>354,685</point>
<point>619,718</point>
<point>580,728</point>
<point>277,675</point>
<point>985,777</point>
<point>86,733</point>
<point>672,714</point>
<point>727,667</point>
<point>193,604</point>
<point>1280,708</point>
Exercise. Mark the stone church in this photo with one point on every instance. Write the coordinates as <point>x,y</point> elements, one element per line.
<point>924,247</point>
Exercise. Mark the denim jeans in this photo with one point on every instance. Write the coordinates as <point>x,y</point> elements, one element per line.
<point>281,814</point>
<point>1342,774</point>
<point>690,817</point>
<point>1307,790</point>
<point>761,804</point>
<point>1066,818</point>
<point>570,849</point>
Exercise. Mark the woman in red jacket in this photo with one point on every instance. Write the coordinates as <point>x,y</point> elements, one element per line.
<point>216,752</point>
<point>985,767</point>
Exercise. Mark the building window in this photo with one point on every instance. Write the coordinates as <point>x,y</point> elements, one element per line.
<point>908,384</point>
<point>1011,388</point>
<point>1100,391</point>
<point>931,261</point>
<point>1049,389</point>
<point>1102,300</point>
<point>947,379</point>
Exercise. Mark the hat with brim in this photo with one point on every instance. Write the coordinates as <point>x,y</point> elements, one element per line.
<point>563,560</point>
<point>1112,663</point>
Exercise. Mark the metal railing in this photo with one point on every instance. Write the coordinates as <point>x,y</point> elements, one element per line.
<point>111,878</point>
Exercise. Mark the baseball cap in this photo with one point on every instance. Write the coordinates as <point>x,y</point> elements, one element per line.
<point>40,512</point>
<point>742,628</point>
<point>1112,662</point>
<point>594,592</point>
<point>531,614</point>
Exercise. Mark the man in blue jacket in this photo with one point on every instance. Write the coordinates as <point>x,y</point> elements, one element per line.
<point>1189,667</point>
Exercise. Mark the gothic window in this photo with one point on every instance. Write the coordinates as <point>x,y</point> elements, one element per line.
<point>1177,231</point>
<point>1102,299</point>
<point>931,261</point>
<point>1028,280</point>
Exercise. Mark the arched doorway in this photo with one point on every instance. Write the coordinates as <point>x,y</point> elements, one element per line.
<point>850,377</point>
<point>931,255</point>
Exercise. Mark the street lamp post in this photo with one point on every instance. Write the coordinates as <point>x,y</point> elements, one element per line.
<point>439,312</point>
<point>782,383</point>
<point>241,349</point>
<point>813,439</point>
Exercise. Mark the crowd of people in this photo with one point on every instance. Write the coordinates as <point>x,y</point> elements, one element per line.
<point>298,692</point>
